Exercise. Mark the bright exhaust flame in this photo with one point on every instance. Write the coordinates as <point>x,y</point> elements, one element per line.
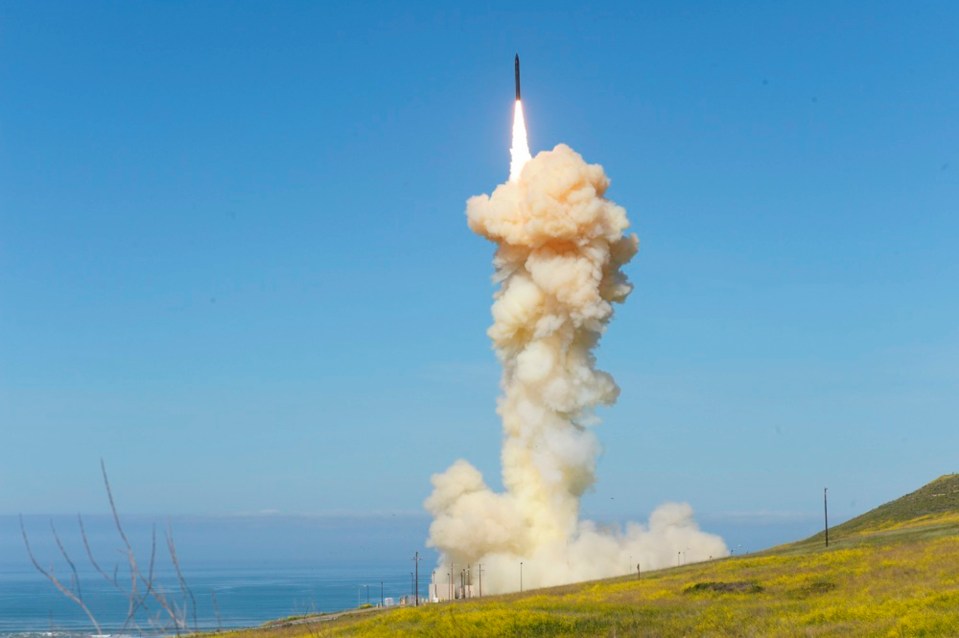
<point>561,246</point>
<point>519,151</point>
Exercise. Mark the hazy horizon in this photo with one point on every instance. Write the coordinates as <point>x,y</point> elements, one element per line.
<point>318,539</point>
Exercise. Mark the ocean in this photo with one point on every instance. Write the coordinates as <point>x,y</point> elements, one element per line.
<point>224,597</point>
<point>237,571</point>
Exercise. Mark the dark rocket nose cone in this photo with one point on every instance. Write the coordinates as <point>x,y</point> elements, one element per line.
<point>516,68</point>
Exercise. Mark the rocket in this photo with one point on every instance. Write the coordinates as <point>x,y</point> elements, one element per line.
<point>516,67</point>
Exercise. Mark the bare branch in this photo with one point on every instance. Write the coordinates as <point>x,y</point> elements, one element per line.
<point>158,595</point>
<point>73,568</point>
<point>93,561</point>
<point>131,557</point>
<point>56,583</point>
<point>179,573</point>
<point>137,597</point>
<point>141,600</point>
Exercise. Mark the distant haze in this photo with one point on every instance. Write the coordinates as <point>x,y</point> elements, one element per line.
<point>331,540</point>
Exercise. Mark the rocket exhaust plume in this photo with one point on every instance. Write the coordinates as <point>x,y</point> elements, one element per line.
<point>519,149</point>
<point>561,246</point>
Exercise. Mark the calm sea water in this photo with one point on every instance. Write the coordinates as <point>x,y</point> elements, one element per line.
<point>239,571</point>
<point>225,597</point>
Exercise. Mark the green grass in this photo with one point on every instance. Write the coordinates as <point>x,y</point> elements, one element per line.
<point>891,572</point>
<point>931,500</point>
<point>930,511</point>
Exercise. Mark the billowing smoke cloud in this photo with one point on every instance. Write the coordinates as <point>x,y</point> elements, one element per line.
<point>561,247</point>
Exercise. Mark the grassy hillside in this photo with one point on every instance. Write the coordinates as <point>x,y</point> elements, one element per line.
<point>930,511</point>
<point>933,500</point>
<point>891,572</point>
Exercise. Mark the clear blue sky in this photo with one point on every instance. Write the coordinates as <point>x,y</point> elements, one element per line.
<point>234,261</point>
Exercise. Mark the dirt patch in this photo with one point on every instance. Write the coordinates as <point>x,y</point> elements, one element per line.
<point>814,588</point>
<point>734,587</point>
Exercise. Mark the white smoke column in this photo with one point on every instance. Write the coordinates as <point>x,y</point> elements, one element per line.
<point>561,245</point>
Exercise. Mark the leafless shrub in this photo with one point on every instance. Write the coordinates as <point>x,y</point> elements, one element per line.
<point>73,593</point>
<point>140,590</point>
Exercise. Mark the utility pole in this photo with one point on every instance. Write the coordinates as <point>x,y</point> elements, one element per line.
<point>480,568</point>
<point>521,577</point>
<point>638,573</point>
<point>382,599</point>
<point>825,511</point>
<point>416,586</point>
